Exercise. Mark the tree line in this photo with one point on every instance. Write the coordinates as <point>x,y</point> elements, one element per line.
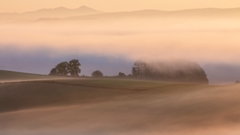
<point>176,71</point>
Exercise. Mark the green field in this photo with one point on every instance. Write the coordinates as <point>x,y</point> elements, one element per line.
<point>108,106</point>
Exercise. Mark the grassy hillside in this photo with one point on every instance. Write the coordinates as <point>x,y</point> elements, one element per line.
<point>25,95</point>
<point>118,107</point>
<point>6,76</point>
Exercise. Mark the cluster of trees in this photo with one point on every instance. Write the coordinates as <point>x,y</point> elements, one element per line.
<point>123,75</point>
<point>175,71</point>
<point>72,67</point>
<point>64,68</point>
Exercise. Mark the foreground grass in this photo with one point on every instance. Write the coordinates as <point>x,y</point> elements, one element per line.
<point>7,76</point>
<point>121,107</point>
<point>25,95</point>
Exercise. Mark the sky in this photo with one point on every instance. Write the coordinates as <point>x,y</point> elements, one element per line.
<point>115,5</point>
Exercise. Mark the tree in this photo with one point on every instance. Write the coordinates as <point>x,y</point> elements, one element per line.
<point>54,71</point>
<point>73,67</point>
<point>97,73</point>
<point>120,74</point>
<point>139,69</point>
<point>62,68</point>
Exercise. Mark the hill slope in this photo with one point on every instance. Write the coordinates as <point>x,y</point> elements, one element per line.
<point>28,95</point>
<point>8,76</point>
<point>71,108</point>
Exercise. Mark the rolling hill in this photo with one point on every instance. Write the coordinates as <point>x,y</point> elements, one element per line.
<point>115,106</point>
<point>12,76</point>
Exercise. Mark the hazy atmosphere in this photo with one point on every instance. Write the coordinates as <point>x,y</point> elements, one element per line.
<point>119,67</point>
<point>116,5</point>
<point>35,41</point>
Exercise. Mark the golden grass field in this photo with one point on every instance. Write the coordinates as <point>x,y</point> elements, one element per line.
<point>91,106</point>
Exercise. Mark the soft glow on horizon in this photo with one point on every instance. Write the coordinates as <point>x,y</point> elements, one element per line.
<point>115,5</point>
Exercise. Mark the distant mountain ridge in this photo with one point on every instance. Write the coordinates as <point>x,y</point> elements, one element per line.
<point>210,13</point>
<point>59,12</point>
<point>84,12</point>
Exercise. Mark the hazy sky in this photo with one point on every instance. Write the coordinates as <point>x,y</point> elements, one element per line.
<point>115,5</point>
